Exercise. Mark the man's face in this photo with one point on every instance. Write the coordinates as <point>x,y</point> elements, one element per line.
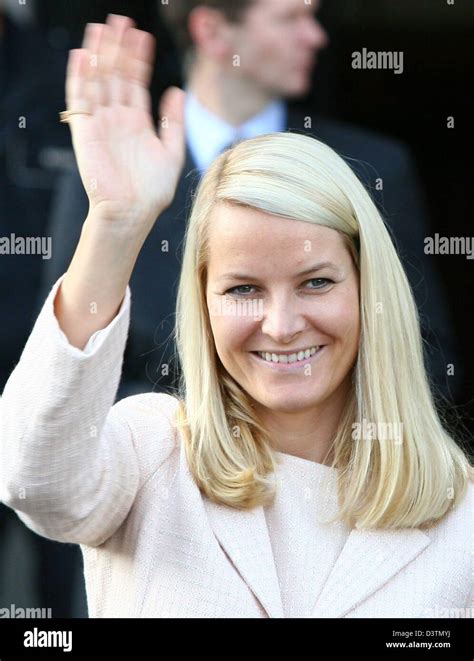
<point>278,42</point>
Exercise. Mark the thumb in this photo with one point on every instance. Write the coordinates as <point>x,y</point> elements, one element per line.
<point>171,122</point>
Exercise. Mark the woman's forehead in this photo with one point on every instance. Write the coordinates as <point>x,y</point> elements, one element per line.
<point>237,229</point>
<point>240,222</point>
<point>258,245</point>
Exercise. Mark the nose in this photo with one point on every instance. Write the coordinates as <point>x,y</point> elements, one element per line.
<point>314,34</point>
<point>282,320</point>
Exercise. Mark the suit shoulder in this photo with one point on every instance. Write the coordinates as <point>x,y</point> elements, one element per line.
<point>358,133</point>
<point>356,141</point>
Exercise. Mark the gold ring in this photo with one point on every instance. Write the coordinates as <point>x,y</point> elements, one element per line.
<point>65,114</point>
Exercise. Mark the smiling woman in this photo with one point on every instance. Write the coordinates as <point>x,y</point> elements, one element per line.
<point>329,351</point>
<point>309,331</point>
<point>318,385</point>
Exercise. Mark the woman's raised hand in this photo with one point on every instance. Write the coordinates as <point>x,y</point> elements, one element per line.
<point>129,170</point>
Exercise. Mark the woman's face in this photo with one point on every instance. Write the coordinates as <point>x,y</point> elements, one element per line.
<point>280,287</point>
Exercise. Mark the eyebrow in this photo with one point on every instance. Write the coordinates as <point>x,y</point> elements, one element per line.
<point>312,269</point>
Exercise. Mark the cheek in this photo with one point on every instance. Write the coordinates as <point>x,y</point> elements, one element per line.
<point>350,333</point>
<point>264,55</point>
<point>341,321</point>
<point>231,333</point>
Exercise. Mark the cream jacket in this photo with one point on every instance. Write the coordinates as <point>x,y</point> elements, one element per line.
<point>114,479</point>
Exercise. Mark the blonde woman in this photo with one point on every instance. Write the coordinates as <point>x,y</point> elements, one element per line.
<point>302,469</point>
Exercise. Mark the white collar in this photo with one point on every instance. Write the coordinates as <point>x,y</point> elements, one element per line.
<point>207,135</point>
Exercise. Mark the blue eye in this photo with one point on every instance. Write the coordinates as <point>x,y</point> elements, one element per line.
<point>232,290</point>
<point>324,282</point>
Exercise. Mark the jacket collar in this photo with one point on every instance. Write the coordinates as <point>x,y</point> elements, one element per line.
<point>243,534</point>
<point>368,560</point>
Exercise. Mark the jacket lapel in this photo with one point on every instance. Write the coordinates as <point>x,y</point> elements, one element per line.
<point>244,537</point>
<point>367,561</point>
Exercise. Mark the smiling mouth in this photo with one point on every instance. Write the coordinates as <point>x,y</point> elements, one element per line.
<point>287,360</point>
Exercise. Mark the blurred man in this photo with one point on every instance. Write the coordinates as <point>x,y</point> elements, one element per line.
<point>245,63</point>
<point>240,64</point>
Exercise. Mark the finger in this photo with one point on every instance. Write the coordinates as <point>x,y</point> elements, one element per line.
<point>111,55</point>
<point>120,24</point>
<point>77,81</point>
<point>139,53</point>
<point>91,38</point>
<point>171,130</point>
<point>93,35</point>
<point>105,53</point>
<point>111,46</point>
<point>139,56</point>
<point>112,82</point>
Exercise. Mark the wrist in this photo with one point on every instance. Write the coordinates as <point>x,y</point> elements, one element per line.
<point>118,222</point>
<point>126,234</point>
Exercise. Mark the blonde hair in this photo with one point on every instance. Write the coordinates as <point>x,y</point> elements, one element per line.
<point>380,484</point>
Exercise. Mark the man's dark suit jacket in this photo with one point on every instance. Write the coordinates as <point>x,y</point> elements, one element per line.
<point>155,278</point>
<point>29,157</point>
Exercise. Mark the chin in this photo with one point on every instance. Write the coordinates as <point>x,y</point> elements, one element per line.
<point>297,90</point>
<point>291,86</point>
<point>290,403</point>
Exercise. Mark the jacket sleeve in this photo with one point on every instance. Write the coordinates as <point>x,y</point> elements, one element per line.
<point>68,465</point>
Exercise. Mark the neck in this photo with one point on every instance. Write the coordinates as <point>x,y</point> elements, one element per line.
<point>223,92</point>
<point>306,433</point>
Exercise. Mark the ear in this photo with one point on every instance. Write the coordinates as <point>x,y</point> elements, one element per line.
<point>210,32</point>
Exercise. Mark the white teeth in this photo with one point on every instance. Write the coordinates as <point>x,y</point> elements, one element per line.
<point>285,358</point>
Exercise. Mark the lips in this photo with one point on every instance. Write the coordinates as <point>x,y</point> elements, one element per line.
<point>288,357</point>
<point>287,366</point>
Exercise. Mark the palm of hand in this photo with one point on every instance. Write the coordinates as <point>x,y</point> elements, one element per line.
<point>121,160</point>
<point>124,164</point>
